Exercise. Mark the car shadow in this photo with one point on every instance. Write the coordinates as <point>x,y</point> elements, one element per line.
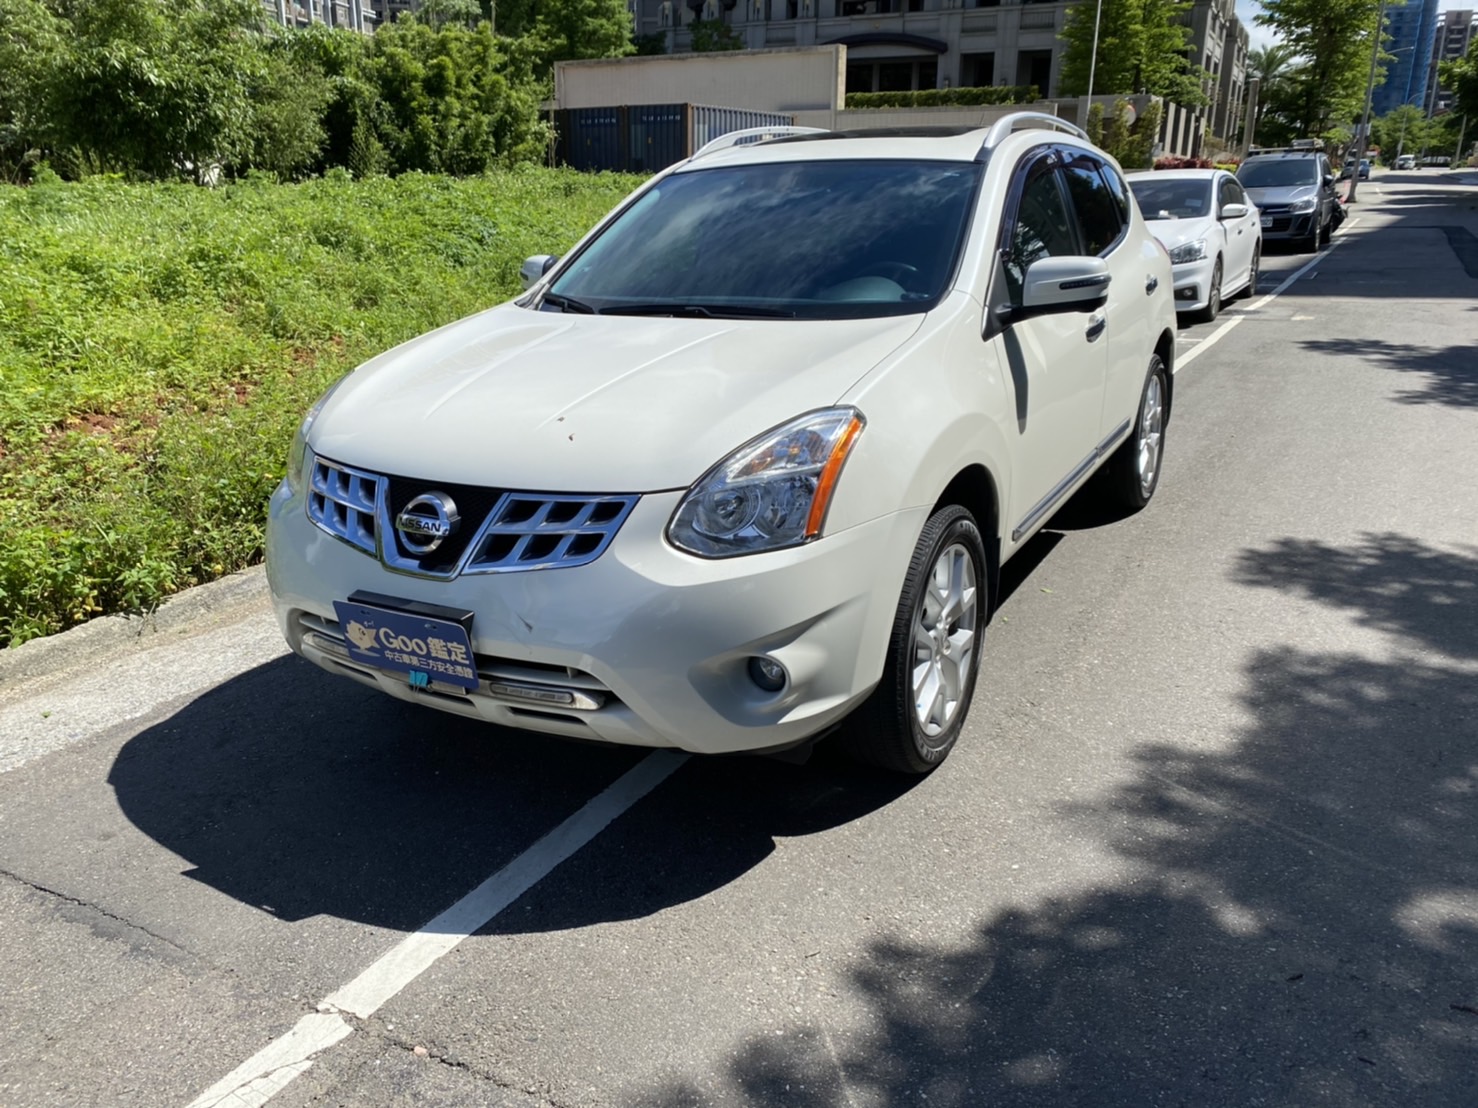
<point>1293,923</point>
<point>304,794</point>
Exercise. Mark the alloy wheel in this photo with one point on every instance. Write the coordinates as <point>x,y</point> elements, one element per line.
<point>1151,433</point>
<point>944,634</point>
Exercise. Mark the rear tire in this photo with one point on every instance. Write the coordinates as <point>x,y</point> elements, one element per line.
<point>1132,474</point>
<point>1250,289</point>
<point>912,719</point>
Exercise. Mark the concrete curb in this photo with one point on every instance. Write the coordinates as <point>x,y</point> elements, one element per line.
<point>87,642</point>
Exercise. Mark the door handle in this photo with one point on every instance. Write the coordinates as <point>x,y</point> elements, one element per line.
<point>1096,325</point>
<point>1151,283</point>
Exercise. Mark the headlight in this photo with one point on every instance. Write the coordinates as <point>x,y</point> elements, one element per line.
<point>1189,252</point>
<point>1304,206</point>
<point>297,453</point>
<point>772,492</point>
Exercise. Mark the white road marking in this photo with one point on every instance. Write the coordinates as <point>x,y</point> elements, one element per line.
<point>268,1072</point>
<point>1206,343</point>
<point>1216,336</point>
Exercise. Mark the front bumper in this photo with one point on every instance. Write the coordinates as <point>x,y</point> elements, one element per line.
<point>658,640</point>
<point>1283,226</point>
<point>1193,283</point>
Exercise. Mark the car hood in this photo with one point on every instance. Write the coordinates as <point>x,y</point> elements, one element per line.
<point>556,402</point>
<point>1281,196</point>
<point>1174,232</point>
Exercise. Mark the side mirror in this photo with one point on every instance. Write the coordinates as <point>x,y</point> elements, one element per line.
<point>1072,284</point>
<point>534,268</point>
<point>1234,211</point>
<point>1328,180</point>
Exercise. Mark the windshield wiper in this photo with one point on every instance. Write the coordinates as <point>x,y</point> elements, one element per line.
<point>567,303</point>
<point>701,311</point>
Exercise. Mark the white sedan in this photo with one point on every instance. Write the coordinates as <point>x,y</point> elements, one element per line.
<point>1205,220</point>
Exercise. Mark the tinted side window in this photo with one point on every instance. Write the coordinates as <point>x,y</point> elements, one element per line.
<point>1119,190</point>
<point>1043,229</point>
<point>1098,213</point>
<point>1232,192</point>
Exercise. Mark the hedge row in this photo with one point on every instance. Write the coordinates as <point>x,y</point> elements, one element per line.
<point>945,97</point>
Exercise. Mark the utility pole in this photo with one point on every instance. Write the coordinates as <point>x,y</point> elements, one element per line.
<point>1093,58</point>
<point>1462,133</point>
<point>1251,122</point>
<point>1364,139</point>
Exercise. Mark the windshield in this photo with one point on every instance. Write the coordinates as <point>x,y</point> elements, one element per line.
<point>1173,199</point>
<point>1281,173</point>
<point>814,240</point>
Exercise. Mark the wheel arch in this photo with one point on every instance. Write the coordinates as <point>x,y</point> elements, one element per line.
<point>974,489</point>
<point>1165,348</point>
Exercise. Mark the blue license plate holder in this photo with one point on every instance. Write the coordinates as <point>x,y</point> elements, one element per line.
<point>429,644</point>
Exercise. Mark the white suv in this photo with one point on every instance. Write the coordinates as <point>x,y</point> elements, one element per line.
<point>747,461</point>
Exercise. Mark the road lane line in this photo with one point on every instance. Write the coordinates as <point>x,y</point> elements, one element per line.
<point>268,1072</point>
<point>1205,344</point>
<point>1221,332</point>
<point>1300,271</point>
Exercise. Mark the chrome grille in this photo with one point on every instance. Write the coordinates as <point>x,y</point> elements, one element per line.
<point>510,530</point>
<point>540,532</point>
<point>343,501</point>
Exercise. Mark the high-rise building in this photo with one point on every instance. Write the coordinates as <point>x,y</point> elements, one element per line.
<point>353,14</point>
<point>1455,31</point>
<point>1411,30</point>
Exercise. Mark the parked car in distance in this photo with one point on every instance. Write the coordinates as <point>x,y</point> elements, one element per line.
<point>1406,161</point>
<point>1294,192</point>
<point>745,463</point>
<point>1211,231</point>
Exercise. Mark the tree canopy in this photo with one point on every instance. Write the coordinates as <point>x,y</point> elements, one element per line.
<point>1142,47</point>
<point>1332,40</point>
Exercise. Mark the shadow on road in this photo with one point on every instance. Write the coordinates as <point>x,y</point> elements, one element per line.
<point>1303,929</point>
<point>1442,374</point>
<point>303,794</point>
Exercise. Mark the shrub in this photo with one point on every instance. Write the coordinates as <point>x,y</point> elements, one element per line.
<point>944,97</point>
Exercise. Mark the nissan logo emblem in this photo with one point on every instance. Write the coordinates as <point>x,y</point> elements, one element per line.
<point>427,521</point>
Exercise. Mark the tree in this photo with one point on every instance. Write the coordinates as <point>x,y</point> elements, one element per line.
<point>158,87</point>
<point>1141,48</point>
<point>289,100</point>
<point>568,29</point>
<point>437,14</point>
<point>1461,76</point>
<point>31,43</point>
<point>1273,66</point>
<point>1333,37</point>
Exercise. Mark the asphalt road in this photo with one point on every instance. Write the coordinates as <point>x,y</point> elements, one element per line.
<point>1209,838</point>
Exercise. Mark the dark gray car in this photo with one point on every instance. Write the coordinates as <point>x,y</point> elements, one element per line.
<point>1294,191</point>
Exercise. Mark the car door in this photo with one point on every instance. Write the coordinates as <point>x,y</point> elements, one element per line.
<point>1242,235</point>
<point>1056,361</point>
<point>1100,200</point>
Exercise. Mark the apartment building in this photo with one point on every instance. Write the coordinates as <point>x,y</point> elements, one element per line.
<point>902,45</point>
<point>1455,33</point>
<point>892,45</point>
<point>353,14</point>
<point>1218,45</point>
<point>1411,29</point>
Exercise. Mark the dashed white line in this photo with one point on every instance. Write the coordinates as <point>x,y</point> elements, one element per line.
<point>268,1072</point>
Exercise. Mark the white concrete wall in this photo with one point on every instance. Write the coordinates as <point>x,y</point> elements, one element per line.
<point>874,119</point>
<point>809,78</point>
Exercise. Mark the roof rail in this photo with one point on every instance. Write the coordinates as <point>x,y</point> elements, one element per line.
<point>1006,124</point>
<point>751,135</point>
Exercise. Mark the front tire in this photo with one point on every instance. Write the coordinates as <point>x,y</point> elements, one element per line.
<point>1213,296</point>
<point>1133,473</point>
<point>912,719</point>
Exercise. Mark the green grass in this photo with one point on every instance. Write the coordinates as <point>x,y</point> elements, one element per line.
<point>159,343</point>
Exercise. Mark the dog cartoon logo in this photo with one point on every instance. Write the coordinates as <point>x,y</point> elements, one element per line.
<point>362,636</point>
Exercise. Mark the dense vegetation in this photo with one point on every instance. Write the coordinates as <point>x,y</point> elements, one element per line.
<point>158,344</point>
<point>200,89</point>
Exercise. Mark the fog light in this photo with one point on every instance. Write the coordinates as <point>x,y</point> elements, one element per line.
<point>767,673</point>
